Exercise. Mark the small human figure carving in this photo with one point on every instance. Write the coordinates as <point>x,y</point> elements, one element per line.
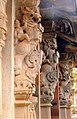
<point>27,37</point>
<point>20,35</point>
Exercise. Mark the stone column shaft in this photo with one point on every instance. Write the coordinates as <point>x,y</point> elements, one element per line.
<point>49,71</point>
<point>66,84</point>
<point>0,85</point>
<point>3,30</point>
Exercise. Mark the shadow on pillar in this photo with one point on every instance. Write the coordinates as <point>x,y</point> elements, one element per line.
<point>55,110</point>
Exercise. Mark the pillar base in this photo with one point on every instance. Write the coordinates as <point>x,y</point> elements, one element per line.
<point>21,109</point>
<point>46,111</point>
<point>25,109</point>
<point>68,112</point>
<point>63,112</point>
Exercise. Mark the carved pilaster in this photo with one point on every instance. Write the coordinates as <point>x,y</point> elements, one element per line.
<point>28,35</point>
<point>3,22</point>
<point>3,30</point>
<point>49,71</point>
<point>66,83</point>
<point>66,79</point>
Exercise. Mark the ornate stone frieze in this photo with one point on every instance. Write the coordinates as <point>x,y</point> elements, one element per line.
<point>49,71</point>
<point>28,35</point>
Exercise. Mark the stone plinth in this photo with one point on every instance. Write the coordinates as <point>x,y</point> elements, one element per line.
<point>68,112</point>
<point>3,32</point>
<point>46,111</point>
<point>22,109</point>
<point>63,112</point>
<point>25,109</point>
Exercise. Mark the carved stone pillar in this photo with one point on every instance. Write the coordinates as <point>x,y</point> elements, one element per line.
<point>28,35</point>
<point>49,73</point>
<point>66,83</point>
<point>3,30</point>
<point>70,86</point>
<point>63,93</point>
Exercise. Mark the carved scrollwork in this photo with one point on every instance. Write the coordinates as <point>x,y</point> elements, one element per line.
<point>32,64</point>
<point>28,35</point>
<point>49,72</point>
<point>66,79</point>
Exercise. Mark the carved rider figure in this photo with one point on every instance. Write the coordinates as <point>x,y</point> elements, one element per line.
<point>48,70</point>
<point>27,35</point>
